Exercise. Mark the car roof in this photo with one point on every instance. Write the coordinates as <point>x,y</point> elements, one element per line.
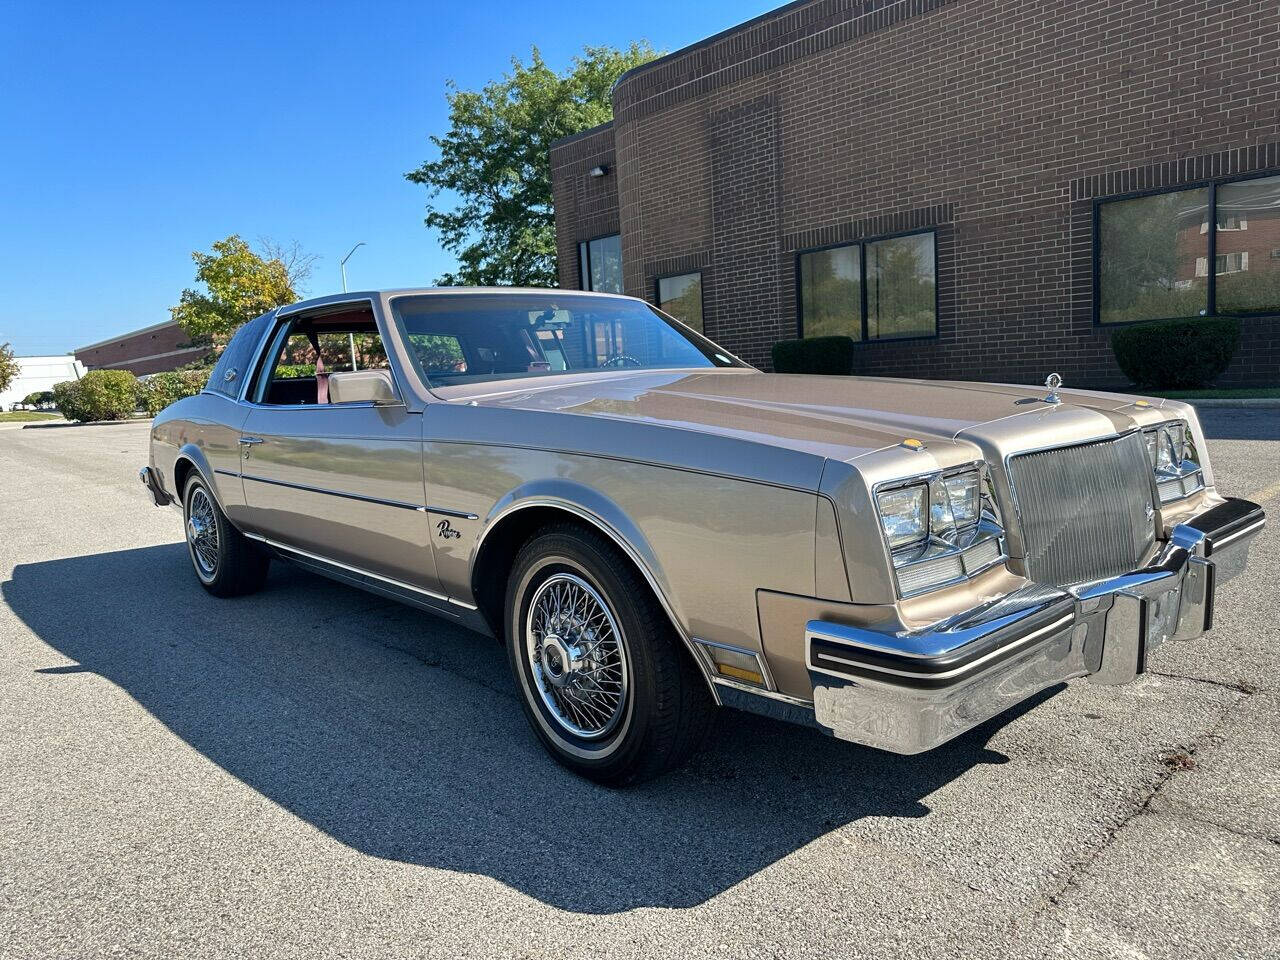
<point>431,291</point>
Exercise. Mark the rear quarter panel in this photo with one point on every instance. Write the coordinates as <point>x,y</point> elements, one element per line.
<point>205,429</point>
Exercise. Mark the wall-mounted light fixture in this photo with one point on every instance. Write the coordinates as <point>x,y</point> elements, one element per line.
<point>599,171</point>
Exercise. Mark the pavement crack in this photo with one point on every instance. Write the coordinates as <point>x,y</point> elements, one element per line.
<point>1239,686</point>
<point>1076,871</point>
<point>1195,816</point>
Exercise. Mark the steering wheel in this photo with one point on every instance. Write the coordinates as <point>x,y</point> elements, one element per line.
<point>622,360</point>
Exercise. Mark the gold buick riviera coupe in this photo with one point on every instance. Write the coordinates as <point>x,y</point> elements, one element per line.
<point>654,528</point>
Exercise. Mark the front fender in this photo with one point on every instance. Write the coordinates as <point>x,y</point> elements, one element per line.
<point>591,505</point>
<point>601,512</point>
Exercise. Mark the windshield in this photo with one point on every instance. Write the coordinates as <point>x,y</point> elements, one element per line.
<point>470,337</point>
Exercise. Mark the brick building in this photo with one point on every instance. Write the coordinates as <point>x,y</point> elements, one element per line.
<point>969,188</point>
<point>153,349</point>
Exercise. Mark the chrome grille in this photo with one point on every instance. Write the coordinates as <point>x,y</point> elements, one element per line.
<point>1085,511</point>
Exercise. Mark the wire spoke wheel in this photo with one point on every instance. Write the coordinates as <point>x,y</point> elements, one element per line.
<point>202,533</point>
<point>577,655</point>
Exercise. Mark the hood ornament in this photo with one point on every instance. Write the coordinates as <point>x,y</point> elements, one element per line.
<point>1053,382</point>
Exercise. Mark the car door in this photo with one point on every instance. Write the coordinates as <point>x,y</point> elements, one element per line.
<point>341,482</point>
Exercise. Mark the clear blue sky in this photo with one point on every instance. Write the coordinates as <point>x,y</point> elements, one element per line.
<point>134,133</point>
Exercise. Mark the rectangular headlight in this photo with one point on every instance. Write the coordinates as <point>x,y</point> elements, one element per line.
<point>1173,458</point>
<point>902,514</point>
<point>963,492</point>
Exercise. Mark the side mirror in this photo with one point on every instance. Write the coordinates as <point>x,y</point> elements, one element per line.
<point>363,386</point>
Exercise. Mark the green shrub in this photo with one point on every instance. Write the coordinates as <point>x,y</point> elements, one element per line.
<point>294,371</point>
<point>832,355</point>
<point>161,389</point>
<point>1176,354</point>
<point>98,395</point>
<point>41,398</point>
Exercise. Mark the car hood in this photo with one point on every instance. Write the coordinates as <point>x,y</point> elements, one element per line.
<point>838,417</point>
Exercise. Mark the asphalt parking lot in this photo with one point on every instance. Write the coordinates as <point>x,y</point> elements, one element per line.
<point>315,772</point>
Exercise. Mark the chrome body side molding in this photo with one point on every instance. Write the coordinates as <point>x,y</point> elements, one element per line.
<point>358,576</point>
<point>334,493</point>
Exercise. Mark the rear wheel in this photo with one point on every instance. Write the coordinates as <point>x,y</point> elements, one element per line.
<point>602,677</point>
<point>226,562</point>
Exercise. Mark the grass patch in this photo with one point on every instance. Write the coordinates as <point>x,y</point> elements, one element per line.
<point>21,416</point>
<point>1248,393</point>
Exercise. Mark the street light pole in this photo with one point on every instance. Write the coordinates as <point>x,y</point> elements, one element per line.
<point>342,265</point>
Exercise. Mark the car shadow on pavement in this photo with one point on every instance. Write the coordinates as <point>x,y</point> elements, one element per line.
<point>399,735</point>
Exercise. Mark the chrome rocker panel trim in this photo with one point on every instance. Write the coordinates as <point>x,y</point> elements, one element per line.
<point>366,579</point>
<point>909,693</point>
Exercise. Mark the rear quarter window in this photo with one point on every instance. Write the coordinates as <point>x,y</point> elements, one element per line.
<point>232,368</point>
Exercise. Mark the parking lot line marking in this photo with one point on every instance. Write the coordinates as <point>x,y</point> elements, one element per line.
<point>1265,494</point>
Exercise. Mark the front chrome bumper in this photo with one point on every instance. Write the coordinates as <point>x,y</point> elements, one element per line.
<point>911,692</point>
<point>152,483</point>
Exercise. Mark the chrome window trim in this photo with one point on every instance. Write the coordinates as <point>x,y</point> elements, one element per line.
<point>926,478</point>
<point>283,316</point>
<point>359,571</point>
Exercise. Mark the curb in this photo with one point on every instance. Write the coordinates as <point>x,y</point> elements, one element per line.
<point>59,424</point>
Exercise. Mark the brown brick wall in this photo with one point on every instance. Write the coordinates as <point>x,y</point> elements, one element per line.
<point>586,206</point>
<point>998,121</point>
<point>146,351</point>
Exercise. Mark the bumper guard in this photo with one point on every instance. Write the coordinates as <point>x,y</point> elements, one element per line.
<point>908,693</point>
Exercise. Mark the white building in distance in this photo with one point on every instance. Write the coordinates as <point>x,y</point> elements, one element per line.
<point>39,373</point>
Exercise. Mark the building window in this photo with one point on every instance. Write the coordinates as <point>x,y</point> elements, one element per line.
<point>1154,252</point>
<point>831,292</point>
<point>1153,261</point>
<point>600,264</point>
<point>882,289</point>
<point>901,287</point>
<point>681,297</point>
<point>1249,281</point>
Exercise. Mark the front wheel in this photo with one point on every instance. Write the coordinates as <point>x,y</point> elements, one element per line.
<point>226,562</point>
<point>603,679</point>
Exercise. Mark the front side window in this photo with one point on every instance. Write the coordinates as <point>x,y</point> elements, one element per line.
<point>464,338</point>
<point>304,351</point>
<point>600,264</point>
<point>883,289</point>
<point>682,298</point>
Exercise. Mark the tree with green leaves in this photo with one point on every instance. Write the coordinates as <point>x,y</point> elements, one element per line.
<point>239,284</point>
<point>8,367</point>
<point>489,191</point>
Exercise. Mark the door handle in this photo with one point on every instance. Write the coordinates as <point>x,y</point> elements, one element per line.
<point>249,440</point>
<point>246,444</point>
